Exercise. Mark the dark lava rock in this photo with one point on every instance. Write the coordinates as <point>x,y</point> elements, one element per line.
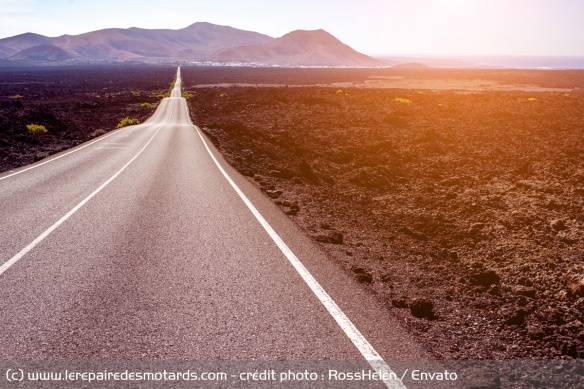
<point>400,302</point>
<point>485,278</point>
<point>362,275</point>
<point>274,193</point>
<point>422,308</point>
<point>247,154</point>
<point>481,379</point>
<point>306,170</point>
<point>41,155</point>
<point>475,229</point>
<point>293,207</point>
<point>524,291</point>
<point>513,315</point>
<point>282,173</point>
<point>575,284</point>
<point>413,233</point>
<point>558,225</point>
<point>334,237</point>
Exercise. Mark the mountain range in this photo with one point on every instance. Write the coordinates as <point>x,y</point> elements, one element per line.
<point>199,42</point>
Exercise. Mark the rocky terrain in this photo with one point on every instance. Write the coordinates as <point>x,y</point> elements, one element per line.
<point>73,103</point>
<point>462,211</point>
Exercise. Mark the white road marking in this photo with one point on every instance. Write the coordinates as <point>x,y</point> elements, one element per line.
<point>364,347</point>
<point>60,156</point>
<point>52,228</point>
<point>77,149</point>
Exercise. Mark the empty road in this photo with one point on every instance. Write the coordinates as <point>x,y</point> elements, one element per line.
<point>143,244</point>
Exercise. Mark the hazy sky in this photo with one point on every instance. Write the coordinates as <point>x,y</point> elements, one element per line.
<point>397,27</point>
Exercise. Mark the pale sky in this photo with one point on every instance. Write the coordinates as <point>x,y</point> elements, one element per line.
<point>395,27</point>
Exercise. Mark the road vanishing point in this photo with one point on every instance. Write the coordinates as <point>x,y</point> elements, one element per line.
<point>144,244</point>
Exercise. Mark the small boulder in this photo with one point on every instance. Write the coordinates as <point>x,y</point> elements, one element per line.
<point>524,291</point>
<point>513,315</point>
<point>484,278</point>
<point>475,229</point>
<point>362,275</point>
<point>413,233</point>
<point>247,154</point>
<point>575,284</point>
<point>422,308</point>
<point>274,193</point>
<point>558,225</point>
<point>307,171</point>
<point>334,237</point>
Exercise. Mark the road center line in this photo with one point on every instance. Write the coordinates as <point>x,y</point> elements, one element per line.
<point>364,347</point>
<point>52,228</point>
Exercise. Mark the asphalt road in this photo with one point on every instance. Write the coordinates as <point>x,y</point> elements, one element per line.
<point>137,246</point>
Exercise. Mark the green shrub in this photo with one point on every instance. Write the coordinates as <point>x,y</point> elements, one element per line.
<point>127,122</point>
<point>36,129</point>
<point>16,97</point>
<point>146,105</point>
<point>187,95</point>
<point>134,93</point>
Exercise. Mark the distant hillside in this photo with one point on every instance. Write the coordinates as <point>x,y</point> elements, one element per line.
<point>15,44</point>
<point>42,53</point>
<point>198,42</point>
<point>195,42</point>
<point>300,47</point>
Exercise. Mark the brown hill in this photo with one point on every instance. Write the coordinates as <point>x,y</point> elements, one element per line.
<point>195,42</point>
<point>12,45</point>
<point>299,48</point>
<point>42,53</point>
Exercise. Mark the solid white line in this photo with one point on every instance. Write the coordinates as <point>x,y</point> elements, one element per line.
<point>52,228</point>
<point>364,347</point>
<point>79,148</point>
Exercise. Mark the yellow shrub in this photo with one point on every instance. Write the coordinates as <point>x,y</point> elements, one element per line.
<point>402,100</point>
<point>36,129</point>
<point>127,122</point>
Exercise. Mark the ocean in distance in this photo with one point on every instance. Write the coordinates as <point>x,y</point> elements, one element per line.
<point>528,62</point>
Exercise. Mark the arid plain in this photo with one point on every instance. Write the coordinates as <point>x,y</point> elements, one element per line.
<point>454,196</point>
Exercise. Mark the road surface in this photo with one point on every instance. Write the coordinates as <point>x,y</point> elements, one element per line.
<point>144,244</point>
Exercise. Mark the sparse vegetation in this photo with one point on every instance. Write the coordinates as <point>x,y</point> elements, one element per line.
<point>479,189</point>
<point>146,105</point>
<point>187,95</point>
<point>532,99</point>
<point>66,102</point>
<point>16,97</point>
<point>127,122</point>
<point>402,100</point>
<point>135,94</point>
<point>36,129</point>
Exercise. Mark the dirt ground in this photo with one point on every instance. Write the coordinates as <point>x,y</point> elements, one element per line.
<point>460,209</point>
